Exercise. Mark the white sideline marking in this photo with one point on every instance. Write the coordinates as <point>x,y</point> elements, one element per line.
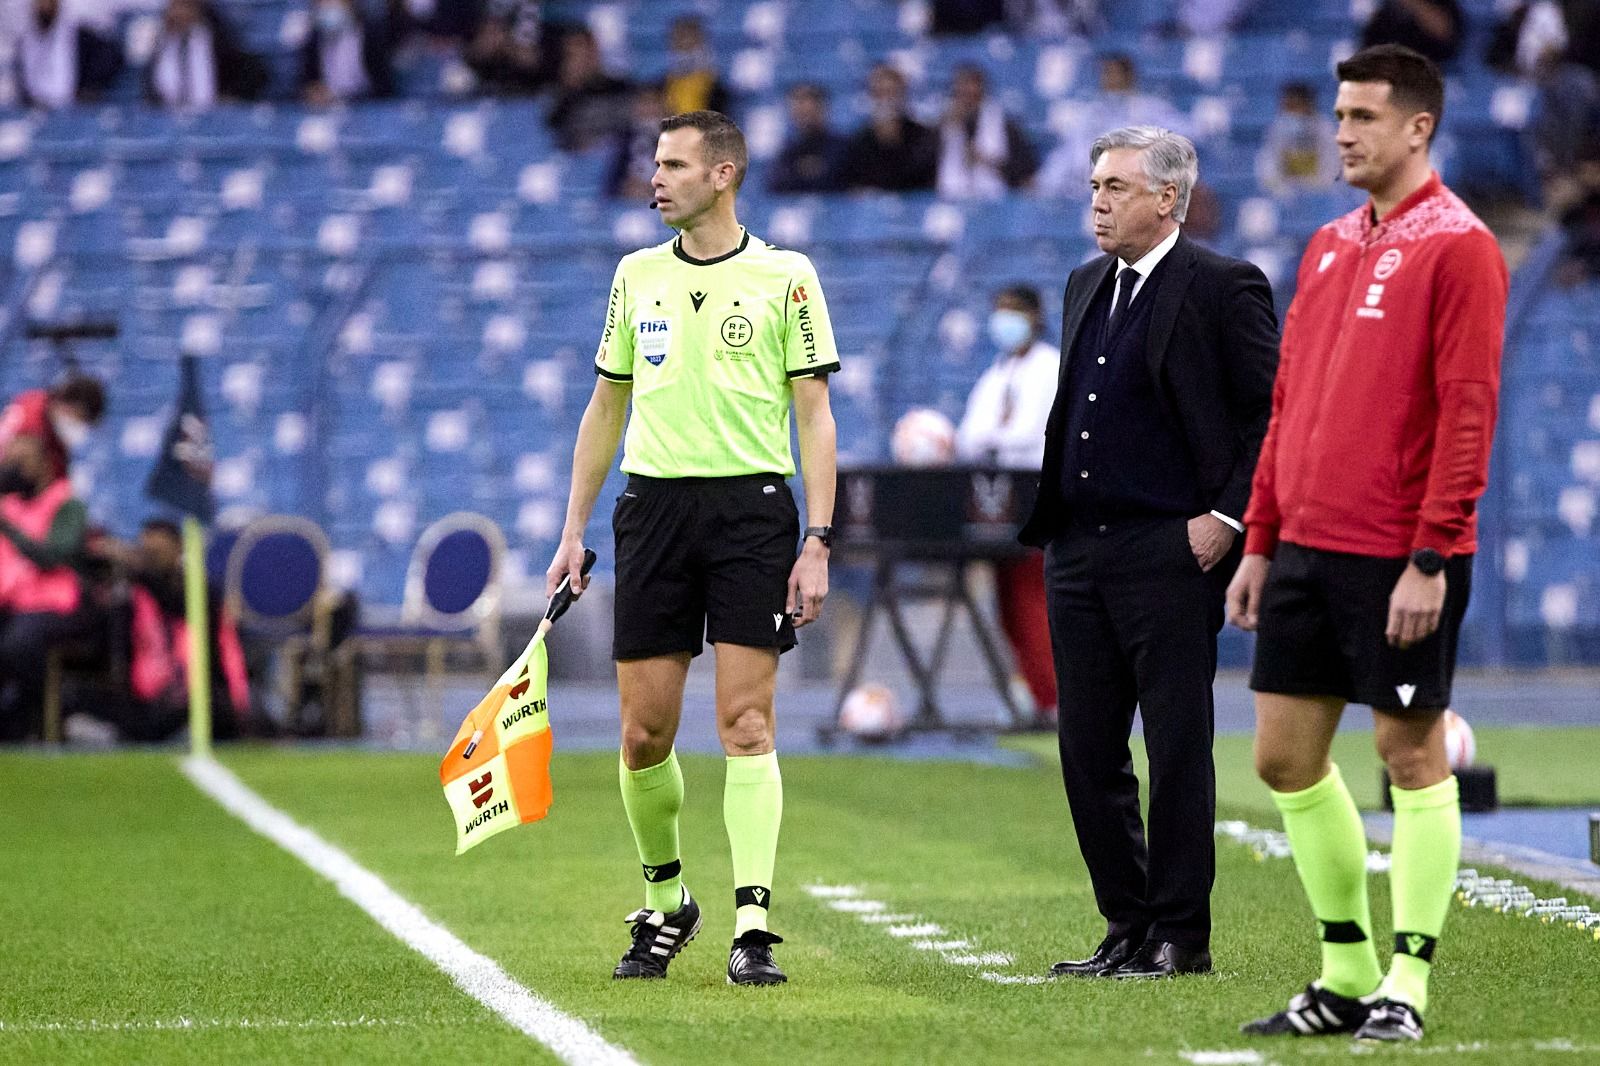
<point>983,958</point>
<point>1222,1058</point>
<point>92,1025</point>
<point>920,929</point>
<point>477,975</point>
<point>1014,978</point>
<point>833,891</point>
<point>941,945</point>
<point>886,919</point>
<point>859,906</point>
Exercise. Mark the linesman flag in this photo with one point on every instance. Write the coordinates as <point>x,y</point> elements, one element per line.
<point>497,772</point>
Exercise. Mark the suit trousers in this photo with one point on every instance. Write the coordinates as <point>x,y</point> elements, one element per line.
<point>1134,623</point>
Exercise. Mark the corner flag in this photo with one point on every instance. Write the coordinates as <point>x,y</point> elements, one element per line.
<point>182,480</point>
<point>497,772</point>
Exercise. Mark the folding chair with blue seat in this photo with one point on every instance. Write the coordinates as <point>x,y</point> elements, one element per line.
<point>277,591</point>
<point>452,599</point>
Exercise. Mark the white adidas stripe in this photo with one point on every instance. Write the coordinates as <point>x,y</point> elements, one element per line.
<point>477,975</point>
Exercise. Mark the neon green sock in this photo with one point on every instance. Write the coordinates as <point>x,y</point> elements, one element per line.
<point>1330,853</point>
<point>1422,875</point>
<point>752,809</point>
<point>653,797</point>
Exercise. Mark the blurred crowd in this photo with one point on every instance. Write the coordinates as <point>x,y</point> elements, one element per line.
<point>969,148</point>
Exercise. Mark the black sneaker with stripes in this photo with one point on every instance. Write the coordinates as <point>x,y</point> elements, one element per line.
<point>1391,1021</point>
<point>657,937</point>
<point>1314,1012</point>
<point>750,960</point>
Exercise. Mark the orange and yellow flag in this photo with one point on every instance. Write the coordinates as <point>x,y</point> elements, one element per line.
<point>497,772</point>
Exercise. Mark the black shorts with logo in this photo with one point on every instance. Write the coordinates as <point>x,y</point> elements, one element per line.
<point>1321,632</point>
<point>703,558</point>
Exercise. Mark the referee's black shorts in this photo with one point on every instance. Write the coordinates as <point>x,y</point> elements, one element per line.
<point>703,558</point>
<point>1322,624</point>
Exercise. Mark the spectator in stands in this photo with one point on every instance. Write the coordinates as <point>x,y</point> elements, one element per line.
<point>42,531</point>
<point>634,163</point>
<point>1211,18</point>
<point>1581,222</point>
<point>507,49</point>
<point>158,658</point>
<point>967,16</point>
<point>1299,151</point>
<point>1119,103</point>
<point>346,57</point>
<point>892,151</point>
<point>198,60</point>
<point>1565,125</point>
<point>809,159</point>
<point>60,60</point>
<point>448,22</point>
<point>1433,27</point>
<point>982,152</point>
<point>692,82</point>
<point>590,105</point>
<point>60,418</point>
<point>1004,424</point>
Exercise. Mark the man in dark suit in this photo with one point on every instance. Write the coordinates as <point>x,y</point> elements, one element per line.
<point>1169,352</point>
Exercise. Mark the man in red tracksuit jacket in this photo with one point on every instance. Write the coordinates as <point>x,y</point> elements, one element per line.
<point>1360,535</point>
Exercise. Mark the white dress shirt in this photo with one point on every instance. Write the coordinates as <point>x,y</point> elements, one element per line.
<point>1145,265</point>
<point>1009,408</point>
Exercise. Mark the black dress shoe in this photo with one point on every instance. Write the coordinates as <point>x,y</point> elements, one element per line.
<point>1113,951</point>
<point>1160,958</point>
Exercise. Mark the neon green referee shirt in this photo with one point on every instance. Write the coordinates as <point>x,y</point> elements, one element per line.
<point>711,347</point>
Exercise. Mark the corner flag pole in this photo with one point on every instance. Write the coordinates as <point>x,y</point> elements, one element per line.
<point>199,624</point>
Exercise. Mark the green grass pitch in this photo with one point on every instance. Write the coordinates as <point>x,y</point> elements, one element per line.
<point>139,923</point>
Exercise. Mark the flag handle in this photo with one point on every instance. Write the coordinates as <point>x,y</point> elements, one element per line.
<point>564,597</point>
<point>199,623</point>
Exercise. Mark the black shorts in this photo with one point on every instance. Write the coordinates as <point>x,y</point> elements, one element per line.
<point>703,557</point>
<point>1321,632</point>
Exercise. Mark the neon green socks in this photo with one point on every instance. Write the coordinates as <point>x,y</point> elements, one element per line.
<point>1330,853</point>
<point>653,797</point>
<point>1422,873</point>
<point>752,809</point>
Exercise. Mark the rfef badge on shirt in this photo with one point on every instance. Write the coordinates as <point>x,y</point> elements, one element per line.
<point>655,336</point>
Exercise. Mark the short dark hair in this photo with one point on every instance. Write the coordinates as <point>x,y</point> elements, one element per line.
<point>1298,90</point>
<point>165,526</point>
<point>1414,80</point>
<point>722,139</point>
<point>83,392</point>
<point>1026,295</point>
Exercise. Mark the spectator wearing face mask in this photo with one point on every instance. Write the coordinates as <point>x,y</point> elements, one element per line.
<point>42,533</point>
<point>60,417</point>
<point>345,58</point>
<point>60,61</point>
<point>1004,425</point>
<point>1300,150</point>
<point>198,60</point>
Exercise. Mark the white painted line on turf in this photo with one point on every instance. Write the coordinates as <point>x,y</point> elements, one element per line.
<point>182,1024</point>
<point>859,906</point>
<point>477,975</point>
<point>1222,1058</point>
<point>1014,978</point>
<point>919,929</point>
<point>955,952</point>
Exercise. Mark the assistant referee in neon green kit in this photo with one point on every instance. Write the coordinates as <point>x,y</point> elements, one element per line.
<point>712,335</point>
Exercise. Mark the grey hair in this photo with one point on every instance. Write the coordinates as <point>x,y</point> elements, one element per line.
<point>1168,159</point>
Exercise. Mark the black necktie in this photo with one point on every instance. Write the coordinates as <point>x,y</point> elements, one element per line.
<point>1127,279</point>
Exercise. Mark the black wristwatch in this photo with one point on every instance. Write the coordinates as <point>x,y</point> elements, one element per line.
<point>822,533</point>
<point>1427,561</point>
